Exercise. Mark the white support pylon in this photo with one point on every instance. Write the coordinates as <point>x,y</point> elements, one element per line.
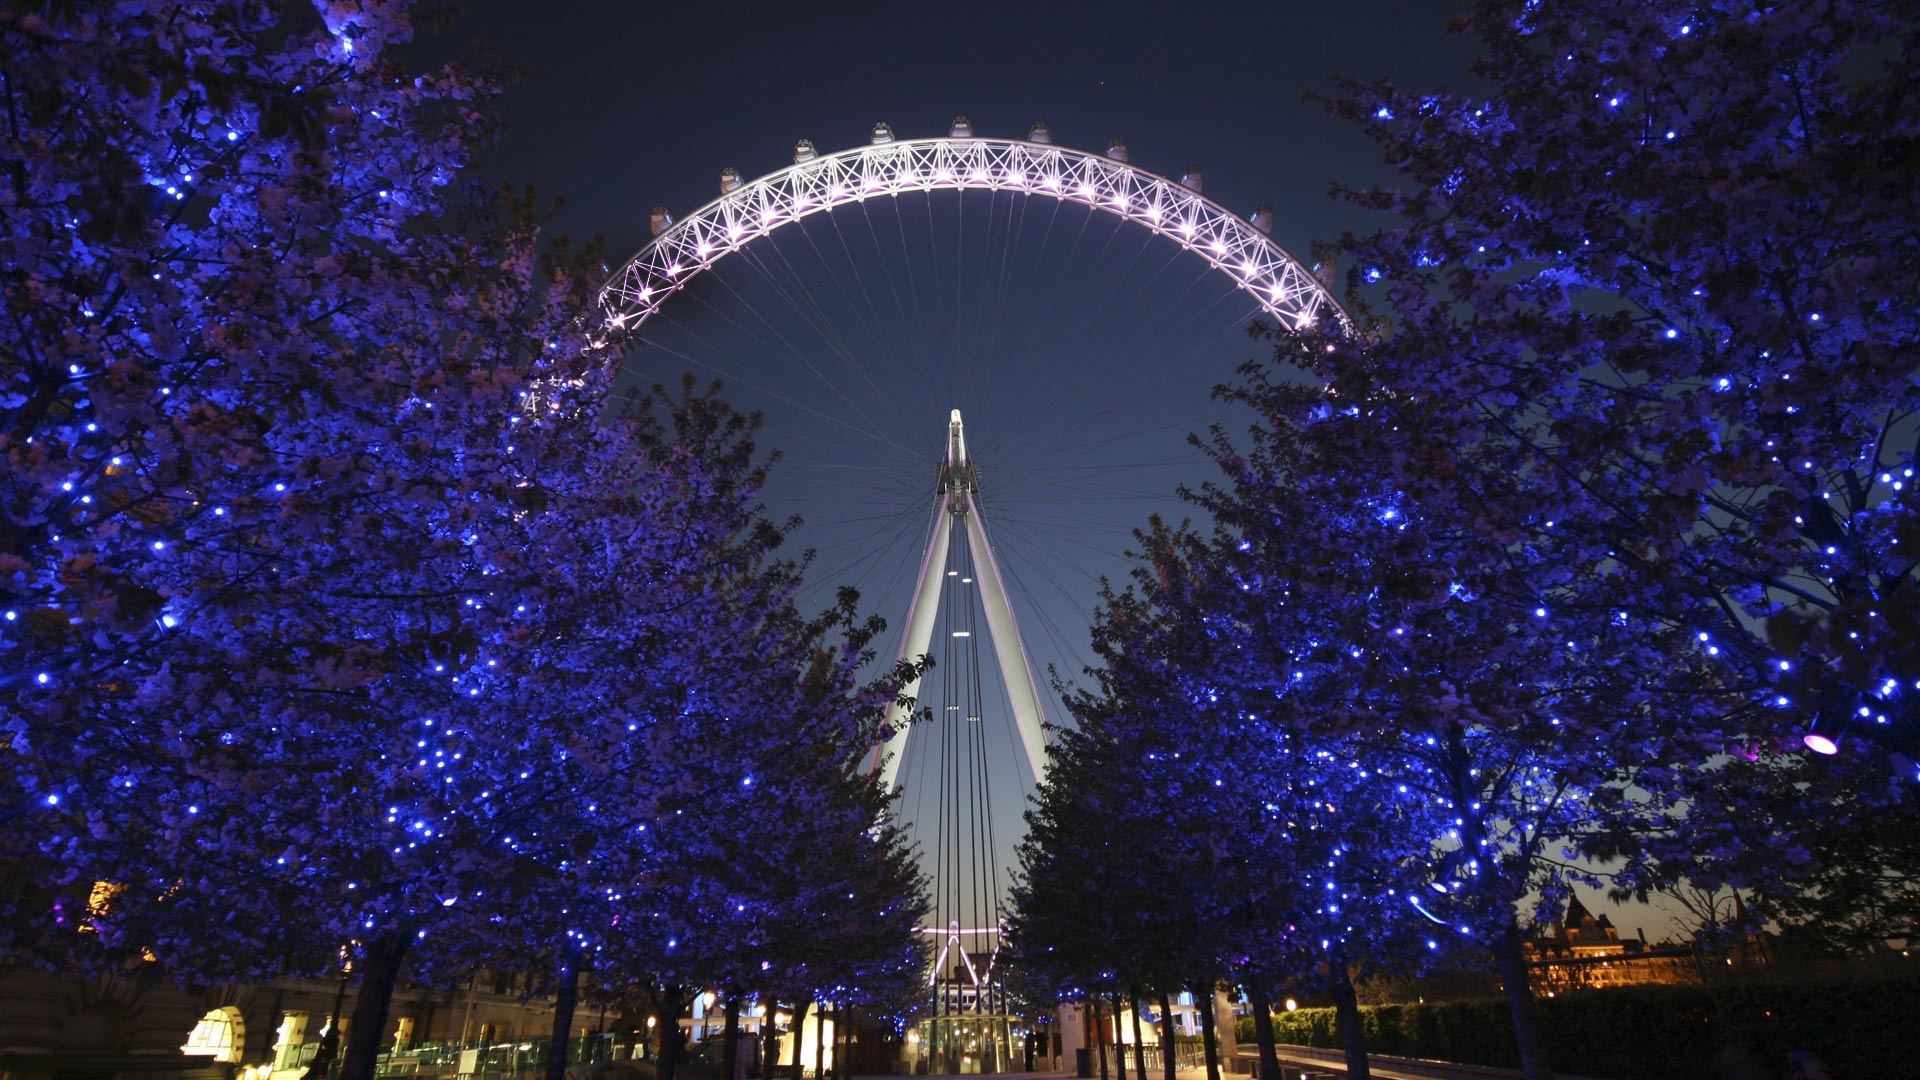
<point>956,506</point>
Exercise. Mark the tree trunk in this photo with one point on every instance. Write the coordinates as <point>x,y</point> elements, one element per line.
<point>1099,1036</point>
<point>799,1028</point>
<point>1203,996</point>
<point>1168,1064</point>
<point>1139,1044</point>
<point>669,1001</point>
<point>730,1054</point>
<point>322,1062</point>
<point>566,995</point>
<point>1263,1034</point>
<point>820,1042</point>
<point>380,969</point>
<point>843,1042</point>
<point>1346,1018</point>
<point>769,1042</point>
<point>1527,1032</point>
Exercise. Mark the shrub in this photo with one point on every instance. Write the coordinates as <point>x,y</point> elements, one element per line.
<point>1863,1028</point>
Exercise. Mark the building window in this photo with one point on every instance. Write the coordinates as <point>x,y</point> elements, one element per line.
<point>221,1033</point>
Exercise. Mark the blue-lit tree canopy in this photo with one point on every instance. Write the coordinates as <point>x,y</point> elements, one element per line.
<point>1581,559</point>
<point>350,616</point>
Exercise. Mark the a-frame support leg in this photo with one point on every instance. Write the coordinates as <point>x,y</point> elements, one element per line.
<point>958,485</point>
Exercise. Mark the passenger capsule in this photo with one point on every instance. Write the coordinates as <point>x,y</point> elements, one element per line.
<point>729,180</point>
<point>882,133</point>
<point>803,151</point>
<point>1040,134</point>
<point>1262,218</point>
<point>1117,149</point>
<point>1192,180</point>
<point>962,129</point>
<point>1327,271</point>
<point>661,220</point>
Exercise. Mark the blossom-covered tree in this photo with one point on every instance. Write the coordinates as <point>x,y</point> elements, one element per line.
<point>1450,626</point>
<point>1667,255</point>
<point>336,583</point>
<point>262,359</point>
<point>1664,256</point>
<point>1182,889</point>
<point>1611,507</point>
<point>1438,704</point>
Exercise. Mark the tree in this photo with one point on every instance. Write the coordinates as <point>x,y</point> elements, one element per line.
<point>338,586</point>
<point>1847,886</point>
<point>1062,934</point>
<point>261,365</point>
<point>1437,702</point>
<point>1664,256</point>
<point>1203,905</point>
<point>1452,627</point>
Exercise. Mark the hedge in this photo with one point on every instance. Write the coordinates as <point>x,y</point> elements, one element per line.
<point>1861,1028</point>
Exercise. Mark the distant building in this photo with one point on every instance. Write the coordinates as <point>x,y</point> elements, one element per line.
<point>1581,951</point>
<point>141,1025</point>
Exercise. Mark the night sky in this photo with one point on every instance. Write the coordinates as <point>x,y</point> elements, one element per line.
<point>1081,349</point>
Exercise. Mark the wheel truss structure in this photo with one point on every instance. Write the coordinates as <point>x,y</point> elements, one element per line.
<point>1235,246</point>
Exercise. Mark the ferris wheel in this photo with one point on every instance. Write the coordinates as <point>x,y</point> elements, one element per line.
<point>819,308</point>
<point>745,211</point>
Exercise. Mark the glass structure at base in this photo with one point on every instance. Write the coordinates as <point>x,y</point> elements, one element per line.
<point>968,1044</point>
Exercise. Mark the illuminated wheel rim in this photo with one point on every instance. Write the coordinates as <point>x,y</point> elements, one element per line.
<point>1284,288</point>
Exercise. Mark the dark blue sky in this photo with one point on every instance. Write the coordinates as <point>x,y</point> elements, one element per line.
<point>636,104</point>
<point>1080,389</point>
<point>1082,350</point>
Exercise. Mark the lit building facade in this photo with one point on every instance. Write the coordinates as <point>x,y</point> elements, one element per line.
<point>1582,951</point>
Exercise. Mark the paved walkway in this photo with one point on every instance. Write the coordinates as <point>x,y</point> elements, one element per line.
<point>1197,1073</point>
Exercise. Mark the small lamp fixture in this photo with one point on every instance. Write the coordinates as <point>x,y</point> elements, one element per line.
<point>1821,741</point>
